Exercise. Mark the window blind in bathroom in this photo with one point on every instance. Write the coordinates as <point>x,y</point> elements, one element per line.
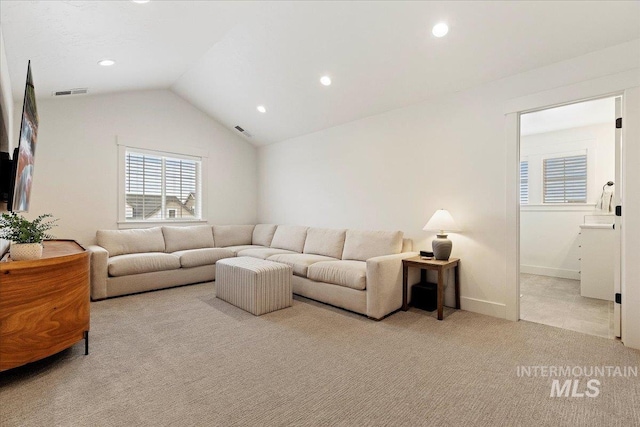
<point>565,179</point>
<point>524,182</point>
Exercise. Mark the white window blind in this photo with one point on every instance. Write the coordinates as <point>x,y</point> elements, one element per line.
<point>159,187</point>
<point>565,179</point>
<point>524,182</point>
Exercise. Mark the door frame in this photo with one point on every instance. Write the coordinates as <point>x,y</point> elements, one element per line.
<point>608,86</point>
<point>618,184</point>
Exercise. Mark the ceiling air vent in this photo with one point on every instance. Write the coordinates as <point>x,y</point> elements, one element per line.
<point>244,132</point>
<point>77,91</point>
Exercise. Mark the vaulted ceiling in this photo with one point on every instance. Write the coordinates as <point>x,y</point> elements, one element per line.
<point>228,57</point>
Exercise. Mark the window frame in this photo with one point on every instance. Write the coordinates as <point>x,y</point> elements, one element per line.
<point>156,149</point>
<point>562,148</point>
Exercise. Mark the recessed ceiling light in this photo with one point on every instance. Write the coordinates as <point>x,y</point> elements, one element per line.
<point>261,108</point>
<point>106,62</point>
<point>325,80</point>
<point>440,30</point>
<point>140,1</point>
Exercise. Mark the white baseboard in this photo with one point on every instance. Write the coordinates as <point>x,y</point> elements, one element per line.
<point>488,308</point>
<point>553,272</point>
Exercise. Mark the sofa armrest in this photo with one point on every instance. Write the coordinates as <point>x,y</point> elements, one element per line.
<point>384,284</point>
<point>99,261</point>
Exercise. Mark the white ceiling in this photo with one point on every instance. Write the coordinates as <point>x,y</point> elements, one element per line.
<point>228,57</point>
<point>569,116</point>
<point>153,44</point>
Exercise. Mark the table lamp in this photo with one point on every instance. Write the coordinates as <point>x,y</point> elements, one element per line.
<point>441,221</point>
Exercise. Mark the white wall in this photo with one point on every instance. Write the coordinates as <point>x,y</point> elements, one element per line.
<point>549,242</point>
<point>76,161</point>
<point>598,141</point>
<point>393,170</point>
<point>6,143</point>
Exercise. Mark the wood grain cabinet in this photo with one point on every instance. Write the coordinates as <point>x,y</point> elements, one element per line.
<point>44,303</point>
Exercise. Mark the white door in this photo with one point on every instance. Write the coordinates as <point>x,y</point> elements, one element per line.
<point>617,269</point>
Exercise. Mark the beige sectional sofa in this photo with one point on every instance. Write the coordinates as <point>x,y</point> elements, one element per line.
<point>356,270</point>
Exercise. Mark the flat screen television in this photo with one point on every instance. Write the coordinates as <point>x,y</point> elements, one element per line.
<point>21,165</point>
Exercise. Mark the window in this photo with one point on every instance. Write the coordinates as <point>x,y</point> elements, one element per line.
<point>565,179</point>
<point>524,182</point>
<point>161,187</point>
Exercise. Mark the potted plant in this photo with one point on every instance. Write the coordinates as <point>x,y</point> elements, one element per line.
<point>26,236</point>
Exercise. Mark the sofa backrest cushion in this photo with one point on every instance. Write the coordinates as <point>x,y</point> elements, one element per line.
<point>407,245</point>
<point>361,245</point>
<point>121,242</point>
<point>183,238</point>
<point>232,235</point>
<point>289,237</point>
<point>263,234</point>
<point>325,241</point>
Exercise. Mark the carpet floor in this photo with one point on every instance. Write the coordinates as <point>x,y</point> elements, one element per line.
<point>181,357</point>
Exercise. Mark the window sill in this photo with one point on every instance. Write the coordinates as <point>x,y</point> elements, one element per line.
<point>569,207</point>
<point>147,224</point>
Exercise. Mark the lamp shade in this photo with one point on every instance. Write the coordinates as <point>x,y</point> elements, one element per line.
<point>441,221</point>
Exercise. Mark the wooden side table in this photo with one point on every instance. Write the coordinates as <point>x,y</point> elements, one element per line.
<point>431,264</point>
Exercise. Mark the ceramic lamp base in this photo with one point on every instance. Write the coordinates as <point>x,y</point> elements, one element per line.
<point>442,247</point>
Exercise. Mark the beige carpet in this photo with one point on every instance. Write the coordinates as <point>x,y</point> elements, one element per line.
<point>180,357</point>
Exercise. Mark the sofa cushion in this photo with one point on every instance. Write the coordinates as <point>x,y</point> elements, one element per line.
<point>361,245</point>
<point>290,237</point>
<point>299,262</point>
<point>239,248</point>
<point>350,274</point>
<point>232,235</point>
<point>183,238</point>
<point>206,256</point>
<point>4,246</point>
<point>119,242</point>
<point>263,234</point>
<point>263,253</point>
<point>124,265</point>
<point>325,241</point>
<point>407,245</point>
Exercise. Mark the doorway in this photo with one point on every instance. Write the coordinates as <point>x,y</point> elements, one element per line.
<point>569,245</point>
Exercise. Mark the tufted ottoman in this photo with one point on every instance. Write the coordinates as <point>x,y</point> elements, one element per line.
<point>254,285</point>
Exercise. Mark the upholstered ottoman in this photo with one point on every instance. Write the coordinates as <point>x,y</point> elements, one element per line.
<point>254,285</point>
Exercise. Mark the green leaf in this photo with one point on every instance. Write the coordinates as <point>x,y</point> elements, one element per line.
<point>18,229</point>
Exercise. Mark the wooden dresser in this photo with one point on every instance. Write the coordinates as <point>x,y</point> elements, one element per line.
<point>44,303</point>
